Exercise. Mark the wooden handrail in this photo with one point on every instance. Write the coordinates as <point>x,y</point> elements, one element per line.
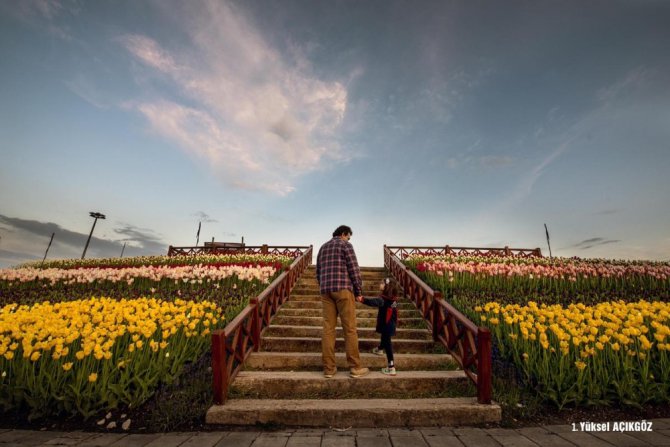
<point>232,345</point>
<point>467,343</point>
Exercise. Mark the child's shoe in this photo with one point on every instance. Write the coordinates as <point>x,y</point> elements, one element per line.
<point>378,351</point>
<point>389,371</point>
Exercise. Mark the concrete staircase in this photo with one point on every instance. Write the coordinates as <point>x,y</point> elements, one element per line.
<point>283,384</point>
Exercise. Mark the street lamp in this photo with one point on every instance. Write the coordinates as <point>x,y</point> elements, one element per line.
<point>96,216</point>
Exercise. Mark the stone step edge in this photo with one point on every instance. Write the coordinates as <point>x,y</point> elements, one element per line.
<point>360,413</point>
<point>367,329</point>
<point>291,361</point>
<point>372,376</point>
<point>360,339</point>
<point>320,319</point>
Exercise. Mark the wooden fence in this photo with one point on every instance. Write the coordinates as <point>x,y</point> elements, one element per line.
<point>293,251</point>
<point>232,345</point>
<point>404,252</point>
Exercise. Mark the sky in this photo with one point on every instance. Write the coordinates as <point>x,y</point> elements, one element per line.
<point>462,123</point>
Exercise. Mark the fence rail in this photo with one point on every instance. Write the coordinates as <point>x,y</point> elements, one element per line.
<point>232,345</point>
<point>404,252</point>
<point>468,344</point>
<point>293,251</point>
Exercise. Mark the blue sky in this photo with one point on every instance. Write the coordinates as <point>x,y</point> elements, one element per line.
<point>415,123</point>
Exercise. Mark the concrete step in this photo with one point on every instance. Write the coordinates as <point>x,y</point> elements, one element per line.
<point>355,413</point>
<point>317,297</point>
<point>315,303</point>
<point>366,278</point>
<point>276,330</point>
<point>312,361</point>
<point>312,269</point>
<point>298,320</point>
<point>313,384</point>
<point>313,344</point>
<point>363,312</point>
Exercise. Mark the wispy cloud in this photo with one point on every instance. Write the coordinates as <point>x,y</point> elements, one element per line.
<point>45,15</point>
<point>204,217</point>
<point>594,242</point>
<point>86,89</point>
<point>259,121</point>
<point>604,101</point>
<point>632,81</point>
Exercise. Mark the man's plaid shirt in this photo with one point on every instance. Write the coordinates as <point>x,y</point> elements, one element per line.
<point>337,267</point>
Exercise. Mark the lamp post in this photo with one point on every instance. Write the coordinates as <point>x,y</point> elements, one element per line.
<point>96,216</point>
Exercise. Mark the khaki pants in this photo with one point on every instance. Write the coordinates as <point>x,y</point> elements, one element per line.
<point>340,303</point>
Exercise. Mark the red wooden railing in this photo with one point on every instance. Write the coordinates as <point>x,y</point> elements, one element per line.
<point>468,344</point>
<point>232,345</point>
<point>404,252</point>
<point>293,251</point>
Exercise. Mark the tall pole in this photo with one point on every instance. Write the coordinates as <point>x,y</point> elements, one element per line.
<point>548,244</point>
<point>48,246</point>
<point>197,236</point>
<point>96,216</point>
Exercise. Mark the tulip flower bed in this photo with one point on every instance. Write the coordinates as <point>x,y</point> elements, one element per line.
<point>85,356</point>
<point>580,331</point>
<point>278,261</point>
<point>64,351</point>
<point>228,280</point>
<point>587,355</point>
<point>471,280</point>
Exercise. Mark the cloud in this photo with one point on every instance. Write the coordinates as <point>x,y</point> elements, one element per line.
<point>141,238</point>
<point>87,90</point>
<point>608,211</point>
<point>594,242</point>
<point>28,239</point>
<point>562,142</point>
<point>257,119</point>
<point>632,81</point>
<point>45,15</point>
<point>204,217</point>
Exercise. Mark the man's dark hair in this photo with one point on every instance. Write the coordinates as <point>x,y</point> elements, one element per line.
<point>342,229</point>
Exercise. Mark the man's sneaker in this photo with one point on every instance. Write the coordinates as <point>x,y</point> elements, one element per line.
<point>378,351</point>
<point>360,372</point>
<point>389,371</point>
<point>329,375</point>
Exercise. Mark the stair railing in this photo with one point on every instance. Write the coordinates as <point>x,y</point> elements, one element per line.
<point>232,345</point>
<point>468,344</point>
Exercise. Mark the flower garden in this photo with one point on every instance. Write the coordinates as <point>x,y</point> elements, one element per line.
<point>78,338</point>
<point>580,332</point>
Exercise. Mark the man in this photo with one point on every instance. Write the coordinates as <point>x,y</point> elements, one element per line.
<point>340,283</point>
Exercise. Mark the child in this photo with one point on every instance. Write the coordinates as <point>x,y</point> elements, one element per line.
<point>387,320</point>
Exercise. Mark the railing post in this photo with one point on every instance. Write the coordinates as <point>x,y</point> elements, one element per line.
<point>484,373</point>
<point>255,324</point>
<point>219,367</point>
<point>436,315</point>
<point>264,249</point>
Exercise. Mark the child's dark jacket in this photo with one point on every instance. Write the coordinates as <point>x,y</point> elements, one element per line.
<point>387,317</point>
